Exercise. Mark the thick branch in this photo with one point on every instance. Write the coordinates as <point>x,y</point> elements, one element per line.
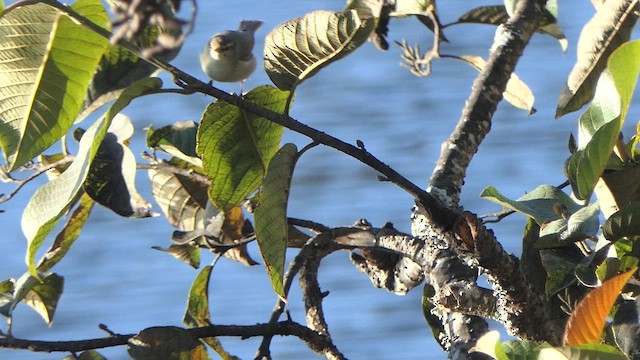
<point>510,40</point>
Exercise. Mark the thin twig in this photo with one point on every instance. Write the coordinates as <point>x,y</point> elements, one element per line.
<point>20,183</point>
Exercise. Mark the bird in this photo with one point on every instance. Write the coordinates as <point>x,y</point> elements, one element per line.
<point>228,56</point>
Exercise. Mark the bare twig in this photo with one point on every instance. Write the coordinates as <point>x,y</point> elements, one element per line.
<point>41,170</point>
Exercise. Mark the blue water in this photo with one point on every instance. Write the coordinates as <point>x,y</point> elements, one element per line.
<point>113,277</point>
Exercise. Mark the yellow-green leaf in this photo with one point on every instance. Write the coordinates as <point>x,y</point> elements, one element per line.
<point>587,321</point>
<point>46,64</point>
<point>297,49</point>
<point>53,199</point>
<point>271,214</point>
<point>236,147</point>
<point>609,28</point>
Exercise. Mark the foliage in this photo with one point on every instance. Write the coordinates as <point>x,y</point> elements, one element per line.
<point>213,180</point>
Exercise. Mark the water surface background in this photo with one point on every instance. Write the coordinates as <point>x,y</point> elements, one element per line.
<point>113,277</point>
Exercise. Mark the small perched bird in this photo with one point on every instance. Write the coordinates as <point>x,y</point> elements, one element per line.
<point>228,56</point>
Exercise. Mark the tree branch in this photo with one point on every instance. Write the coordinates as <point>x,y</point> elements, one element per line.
<point>314,340</point>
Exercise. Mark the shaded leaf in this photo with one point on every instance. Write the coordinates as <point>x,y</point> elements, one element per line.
<point>437,329</point>
<point>538,204</point>
<point>625,222</point>
<point>498,14</point>
<point>68,235</point>
<point>189,254</point>
<point>197,313</point>
<point>581,225</point>
<point>235,146</point>
<point>609,28</point>
<point>7,287</point>
<point>91,355</point>
<point>530,260</point>
<point>626,328</point>
<point>181,199</point>
<point>53,199</point>
<point>111,178</point>
<point>560,265</point>
<point>178,140</point>
<point>297,49</point>
<point>271,214</point>
<point>517,92</point>
<point>44,84</point>
<point>119,68</point>
<point>167,342</point>
<point>587,321</point>
<point>42,296</point>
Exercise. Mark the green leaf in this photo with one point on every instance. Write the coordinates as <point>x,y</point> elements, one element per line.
<point>236,147</point>
<point>297,49</point>
<point>521,350</point>
<point>91,355</point>
<point>271,214</point>
<point>197,313</point>
<point>68,235</point>
<point>43,87</point>
<point>53,199</point>
<point>517,92</point>
<point>42,296</point>
<point>625,222</point>
<point>437,329</point>
<point>178,140</point>
<point>604,119</point>
<point>581,225</point>
<point>538,204</point>
<point>167,342</point>
<point>112,175</point>
<point>609,28</point>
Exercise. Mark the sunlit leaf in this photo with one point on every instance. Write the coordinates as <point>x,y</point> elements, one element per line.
<point>538,204</point>
<point>517,92</point>
<point>297,49</point>
<point>235,146</point>
<point>46,64</point>
<point>178,140</point>
<point>54,198</point>
<point>167,342</point>
<point>609,28</point>
<point>68,235</point>
<point>587,321</point>
<point>625,222</point>
<point>489,344</point>
<point>271,214</point>
<point>90,355</point>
